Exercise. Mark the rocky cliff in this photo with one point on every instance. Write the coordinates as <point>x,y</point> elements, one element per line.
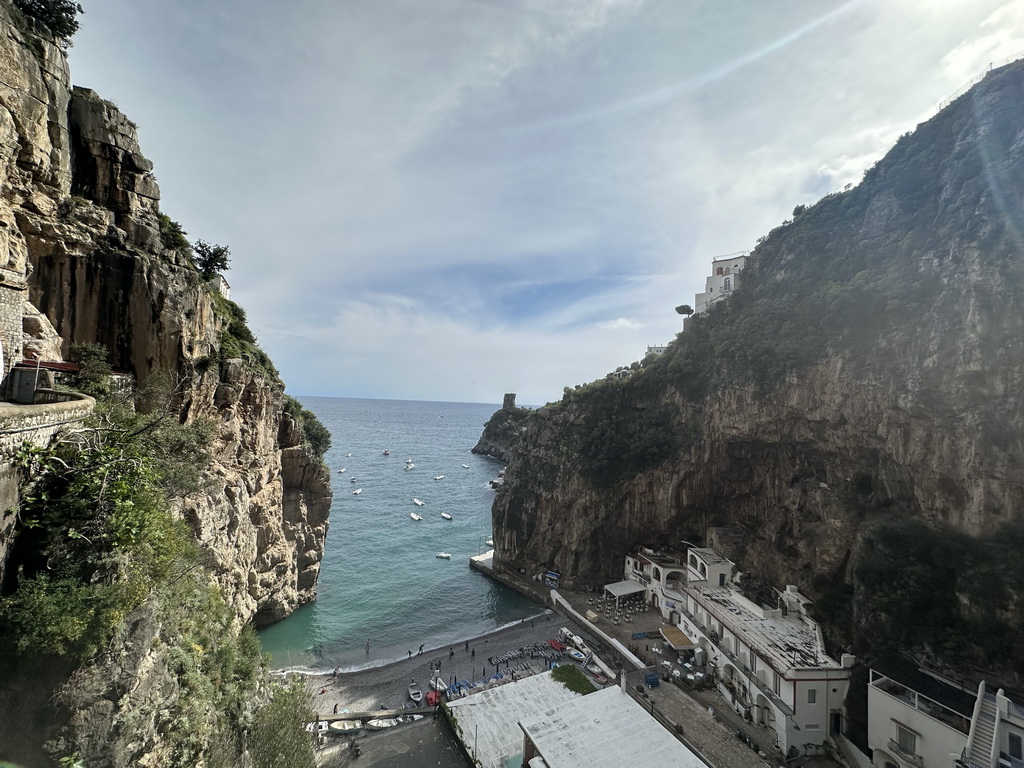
<point>854,415</point>
<point>503,431</point>
<point>83,240</point>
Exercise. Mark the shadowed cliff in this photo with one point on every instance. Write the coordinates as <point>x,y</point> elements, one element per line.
<point>853,415</point>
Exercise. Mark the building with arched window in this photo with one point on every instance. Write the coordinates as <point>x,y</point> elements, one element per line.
<point>723,280</point>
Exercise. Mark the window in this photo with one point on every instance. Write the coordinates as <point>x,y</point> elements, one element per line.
<point>727,270</point>
<point>753,663</point>
<point>718,271</point>
<point>721,579</point>
<point>777,685</point>
<point>727,285</point>
<point>812,695</point>
<point>906,740</point>
<point>1016,748</point>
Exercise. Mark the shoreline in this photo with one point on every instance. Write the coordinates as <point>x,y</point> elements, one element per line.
<point>386,686</point>
<point>309,671</point>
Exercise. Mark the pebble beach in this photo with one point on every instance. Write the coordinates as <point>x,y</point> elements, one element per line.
<point>367,689</point>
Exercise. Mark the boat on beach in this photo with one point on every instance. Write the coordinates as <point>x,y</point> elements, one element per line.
<point>415,693</point>
<point>446,516</point>
<point>380,723</point>
<point>439,685</point>
<point>346,726</point>
<point>414,516</point>
<point>444,555</point>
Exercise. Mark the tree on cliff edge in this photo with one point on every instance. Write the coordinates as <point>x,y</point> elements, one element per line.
<point>60,16</point>
<point>210,259</point>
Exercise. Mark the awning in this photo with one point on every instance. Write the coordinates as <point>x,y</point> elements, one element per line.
<point>675,637</point>
<point>623,588</point>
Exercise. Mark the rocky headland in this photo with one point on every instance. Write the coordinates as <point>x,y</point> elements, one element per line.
<point>851,420</point>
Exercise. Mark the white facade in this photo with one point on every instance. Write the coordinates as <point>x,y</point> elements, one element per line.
<point>656,350</point>
<point>908,730</point>
<point>769,663</point>
<point>724,278</point>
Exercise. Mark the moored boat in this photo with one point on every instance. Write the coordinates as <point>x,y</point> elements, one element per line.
<point>417,502</point>
<point>446,516</point>
<point>357,491</point>
<point>380,723</point>
<point>444,555</point>
<point>439,477</point>
<point>414,516</point>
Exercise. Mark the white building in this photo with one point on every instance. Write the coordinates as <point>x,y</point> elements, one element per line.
<point>909,730</point>
<point>724,278</point>
<point>605,729</point>
<point>656,350</point>
<point>769,663</point>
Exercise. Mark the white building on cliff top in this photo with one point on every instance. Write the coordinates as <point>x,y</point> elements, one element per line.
<point>724,278</point>
<point>769,663</point>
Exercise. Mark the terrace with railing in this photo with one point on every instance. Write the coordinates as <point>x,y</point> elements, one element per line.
<point>921,703</point>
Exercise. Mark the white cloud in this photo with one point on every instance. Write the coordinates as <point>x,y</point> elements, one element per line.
<point>449,200</point>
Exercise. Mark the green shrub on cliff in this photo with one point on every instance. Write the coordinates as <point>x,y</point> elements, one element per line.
<point>315,435</point>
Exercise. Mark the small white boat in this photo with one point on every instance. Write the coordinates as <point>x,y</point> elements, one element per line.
<point>465,466</point>
<point>342,470</point>
<point>380,723</point>
<point>320,726</point>
<point>444,555</point>
<point>439,477</point>
<point>415,693</point>
<point>357,491</point>
<point>408,461</point>
<point>417,502</point>
<point>346,726</point>
<point>416,517</point>
<point>387,453</point>
<point>489,542</point>
<point>576,655</point>
<point>439,685</point>
<point>446,516</point>
<point>348,455</point>
<point>410,466</point>
<point>352,480</point>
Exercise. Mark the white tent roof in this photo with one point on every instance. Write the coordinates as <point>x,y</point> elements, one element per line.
<point>623,588</point>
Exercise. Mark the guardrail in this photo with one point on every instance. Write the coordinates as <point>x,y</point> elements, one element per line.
<point>977,79</point>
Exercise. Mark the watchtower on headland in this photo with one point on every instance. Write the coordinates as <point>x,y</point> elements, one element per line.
<point>509,403</point>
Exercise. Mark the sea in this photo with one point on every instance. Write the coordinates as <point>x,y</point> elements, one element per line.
<point>382,590</point>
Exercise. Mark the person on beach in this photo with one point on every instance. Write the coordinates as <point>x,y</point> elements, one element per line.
<point>472,654</point>
<point>410,653</point>
<point>467,645</point>
<point>367,646</point>
<point>421,649</point>
<point>451,653</point>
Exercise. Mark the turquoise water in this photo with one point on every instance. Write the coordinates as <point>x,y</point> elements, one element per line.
<point>380,580</point>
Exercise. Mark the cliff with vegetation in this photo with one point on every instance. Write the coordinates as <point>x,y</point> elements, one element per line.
<point>503,431</point>
<point>179,516</point>
<point>854,415</point>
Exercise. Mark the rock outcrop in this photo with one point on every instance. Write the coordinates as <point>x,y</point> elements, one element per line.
<point>868,376</point>
<point>86,256</point>
<point>503,431</point>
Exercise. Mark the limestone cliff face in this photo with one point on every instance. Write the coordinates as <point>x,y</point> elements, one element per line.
<point>82,208</point>
<point>81,254</point>
<point>871,371</point>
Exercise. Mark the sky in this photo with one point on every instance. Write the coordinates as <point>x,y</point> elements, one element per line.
<point>454,199</point>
